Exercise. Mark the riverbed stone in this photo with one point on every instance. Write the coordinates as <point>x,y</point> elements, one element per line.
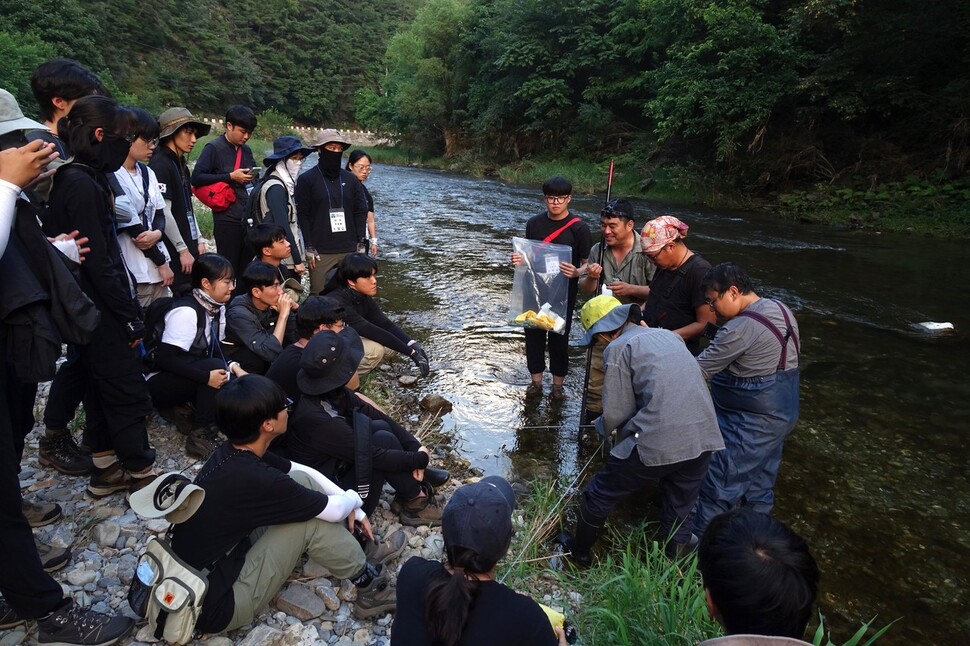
<point>81,576</point>
<point>313,570</point>
<point>436,404</point>
<point>300,601</point>
<point>263,636</point>
<point>362,636</point>
<point>407,380</point>
<point>106,533</point>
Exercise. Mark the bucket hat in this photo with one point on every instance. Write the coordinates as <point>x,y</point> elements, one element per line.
<point>659,232</point>
<point>328,135</point>
<point>478,517</point>
<point>171,495</point>
<point>12,117</point>
<point>603,314</point>
<point>329,360</point>
<point>174,118</point>
<point>285,146</point>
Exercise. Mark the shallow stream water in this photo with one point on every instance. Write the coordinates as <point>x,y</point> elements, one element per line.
<point>875,474</point>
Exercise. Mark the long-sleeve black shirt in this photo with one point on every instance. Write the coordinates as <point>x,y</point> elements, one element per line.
<point>316,196</point>
<point>362,313</point>
<point>217,161</point>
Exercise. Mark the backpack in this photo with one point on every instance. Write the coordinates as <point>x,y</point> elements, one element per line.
<point>155,327</point>
<point>256,207</point>
<point>168,592</point>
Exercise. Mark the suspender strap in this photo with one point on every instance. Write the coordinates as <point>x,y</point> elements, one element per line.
<point>238,158</point>
<point>782,339</point>
<point>555,234</point>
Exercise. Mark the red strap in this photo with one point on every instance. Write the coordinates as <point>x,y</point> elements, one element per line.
<point>238,158</point>
<point>555,234</point>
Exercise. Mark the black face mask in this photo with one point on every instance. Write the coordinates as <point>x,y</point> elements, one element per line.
<point>330,162</point>
<point>110,153</point>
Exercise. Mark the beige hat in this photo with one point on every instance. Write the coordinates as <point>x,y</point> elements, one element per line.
<point>329,135</point>
<point>12,117</point>
<point>171,495</point>
<point>174,118</point>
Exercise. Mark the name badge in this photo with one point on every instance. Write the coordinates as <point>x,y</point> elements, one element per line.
<point>552,264</point>
<point>338,223</point>
<point>193,227</point>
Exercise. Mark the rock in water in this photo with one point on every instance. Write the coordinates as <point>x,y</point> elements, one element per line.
<point>436,404</point>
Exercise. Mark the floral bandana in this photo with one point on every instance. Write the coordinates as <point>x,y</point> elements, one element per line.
<point>659,232</point>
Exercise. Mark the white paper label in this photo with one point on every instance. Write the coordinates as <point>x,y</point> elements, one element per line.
<point>193,228</point>
<point>338,223</point>
<point>552,264</point>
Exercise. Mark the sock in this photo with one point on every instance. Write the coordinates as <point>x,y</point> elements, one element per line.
<point>104,461</point>
<point>366,576</point>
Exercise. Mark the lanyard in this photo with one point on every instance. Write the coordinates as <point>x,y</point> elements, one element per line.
<point>329,197</point>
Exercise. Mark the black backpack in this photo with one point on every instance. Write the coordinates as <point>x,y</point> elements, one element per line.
<point>155,326</point>
<point>256,203</point>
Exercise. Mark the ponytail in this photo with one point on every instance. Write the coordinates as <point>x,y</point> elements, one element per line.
<point>449,599</point>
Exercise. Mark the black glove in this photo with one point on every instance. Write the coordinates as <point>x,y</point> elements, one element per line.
<point>420,359</point>
<point>135,330</point>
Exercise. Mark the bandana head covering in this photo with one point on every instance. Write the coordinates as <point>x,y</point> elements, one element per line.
<point>659,232</point>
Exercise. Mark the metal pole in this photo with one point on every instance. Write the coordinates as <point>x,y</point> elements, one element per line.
<point>599,285</point>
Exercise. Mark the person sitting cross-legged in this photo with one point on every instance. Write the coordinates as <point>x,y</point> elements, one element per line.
<point>760,579</point>
<point>352,442</point>
<point>262,512</point>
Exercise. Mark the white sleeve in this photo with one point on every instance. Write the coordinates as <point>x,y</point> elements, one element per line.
<point>331,489</point>
<point>8,211</point>
<point>172,229</point>
<point>180,327</point>
<point>339,506</point>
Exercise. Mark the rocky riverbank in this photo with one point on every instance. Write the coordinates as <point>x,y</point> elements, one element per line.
<point>106,537</point>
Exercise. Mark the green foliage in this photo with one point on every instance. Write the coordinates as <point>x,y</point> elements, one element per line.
<point>273,124</point>
<point>21,53</point>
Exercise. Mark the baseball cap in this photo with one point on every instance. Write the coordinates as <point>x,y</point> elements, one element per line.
<point>171,495</point>
<point>478,517</point>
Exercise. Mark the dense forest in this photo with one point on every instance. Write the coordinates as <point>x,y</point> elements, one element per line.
<point>847,99</point>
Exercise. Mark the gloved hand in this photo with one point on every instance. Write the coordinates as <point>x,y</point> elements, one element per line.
<point>135,330</point>
<point>419,358</point>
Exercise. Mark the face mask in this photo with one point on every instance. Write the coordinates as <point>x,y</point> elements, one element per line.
<point>110,154</point>
<point>293,167</point>
<point>330,162</point>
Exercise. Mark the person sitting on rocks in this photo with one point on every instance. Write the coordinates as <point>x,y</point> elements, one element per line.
<point>354,285</point>
<point>258,321</point>
<point>262,512</point>
<point>656,399</point>
<point>760,579</point>
<point>191,366</point>
<point>269,243</point>
<point>461,602</point>
<point>354,443</point>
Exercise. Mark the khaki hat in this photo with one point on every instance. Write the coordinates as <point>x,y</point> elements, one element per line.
<point>174,118</point>
<point>171,495</point>
<point>329,135</point>
<point>12,117</point>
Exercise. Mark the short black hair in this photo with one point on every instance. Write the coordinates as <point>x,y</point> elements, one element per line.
<point>243,404</point>
<point>557,186</point>
<point>317,311</point>
<point>355,156</point>
<point>89,113</point>
<point>760,574</point>
<point>264,235</point>
<point>242,116</point>
<point>64,78</point>
<point>259,274</point>
<point>212,267</point>
<point>141,123</point>
<point>723,277</point>
<point>621,209</point>
<point>354,266</point>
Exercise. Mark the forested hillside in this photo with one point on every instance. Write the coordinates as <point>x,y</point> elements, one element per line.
<point>305,59</point>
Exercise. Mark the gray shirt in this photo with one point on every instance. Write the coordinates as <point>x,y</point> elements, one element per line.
<point>635,269</point>
<point>656,398</point>
<point>746,348</point>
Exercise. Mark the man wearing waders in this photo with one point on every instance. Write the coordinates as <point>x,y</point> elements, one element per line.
<point>753,367</point>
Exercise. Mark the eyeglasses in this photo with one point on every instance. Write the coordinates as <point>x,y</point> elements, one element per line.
<point>556,199</point>
<point>114,135</point>
<point>288,406</point>
<point>362,169</point>
<point>337,326</point>
<point>653,256</point>
<point>710,301</point>
<point>152,143</point>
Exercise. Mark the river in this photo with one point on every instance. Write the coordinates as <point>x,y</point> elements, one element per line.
<point>874,476</point>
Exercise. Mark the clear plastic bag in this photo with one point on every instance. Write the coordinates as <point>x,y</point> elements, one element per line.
<point>540,291</point>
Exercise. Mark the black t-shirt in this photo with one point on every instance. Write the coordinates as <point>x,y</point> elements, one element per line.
<point>283,371</point>
<point>675,296</point>
<point>499,615</point>
<point>576,236</point>
<point>242,492</point>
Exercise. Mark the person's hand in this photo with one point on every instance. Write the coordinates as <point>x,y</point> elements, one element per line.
<point>568,269</point>
<point>619,288</point>
<point>203,247</point>
<point>241,175</point>
<point>147,239</point>
<point>419,358</point>
<point>299,269</point>
<point>312,258</point>
<point>236,369</point>
<point>218,378</point>
<point>418,474</point>
<point>561,636</point>
<point>78,242</point>
<point>285,303</point>
<point>24,165</point>
<point>516,259</point>
<point>594,271</point>
<point>373,247</point>
<point>365,527</point>
<point>167,274</point>
<point>186,260</point>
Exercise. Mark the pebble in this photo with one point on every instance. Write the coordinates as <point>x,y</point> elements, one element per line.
<point>362,636</point>
<point>329,597</point>
<point>106,533</point>
<point>81,576</point>
<point>407,380</point>
<point>300,601</point>
<point>262,636</point>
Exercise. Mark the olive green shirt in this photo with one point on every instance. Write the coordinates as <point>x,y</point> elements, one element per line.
<point>635,269</point>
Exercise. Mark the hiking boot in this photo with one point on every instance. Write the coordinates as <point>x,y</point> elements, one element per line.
<point>59,451</point>
<point>8,618</point>
<point>72,624</point>
<point>201,442</point>
<point>423,510</point>
<point>564,550</point>
<point>387,550</point>
<point>107,481</point>
<point>52,558</point>
<point>375,598</point>
<point>40,514</point>
<point>676,551</point>
<point>181,416</point>
<point>558,393</point>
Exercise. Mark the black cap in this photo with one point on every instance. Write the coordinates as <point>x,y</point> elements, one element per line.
<point>478,517</point>
<point>329,360</point>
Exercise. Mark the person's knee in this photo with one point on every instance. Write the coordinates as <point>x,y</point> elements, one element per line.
<point>384,438</point>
